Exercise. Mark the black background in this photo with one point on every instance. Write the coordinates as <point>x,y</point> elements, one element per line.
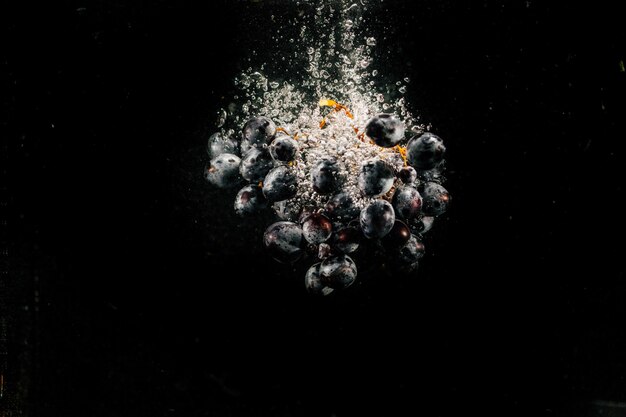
<point>132,291</point>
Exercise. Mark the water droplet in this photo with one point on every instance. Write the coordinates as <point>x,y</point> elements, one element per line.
<point>402,89</point>
<point>371,41</point>
<point>221,118</point>
<point>375,73</point>
<point>407,80</point>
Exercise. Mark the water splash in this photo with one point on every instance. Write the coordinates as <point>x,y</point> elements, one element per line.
<point>330,53</point>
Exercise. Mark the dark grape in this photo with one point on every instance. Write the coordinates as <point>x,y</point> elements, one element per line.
<point>223,171</point>
<point>280,184</point>
<point>422,224</point>
<point>284,241</point>
<point>259,131</point>
<point>377,219</point>
<point>313,281</point>
<point>283,148</point>
<point>341,208</point>
<point>376,177</point>
<point>398,236</point>
<point>407,175</point>
<point>325,176</point>
<point>347,239</point>
<point>317,228</point>
<point>338,272</point>
<point>436,199</point>
<point>255,165</point>
<point>407,202</point>
<point>250,200</point>
<point>412,251</point>
<point>219,144</point>
<point>426,151</point>
<point>385,130</point>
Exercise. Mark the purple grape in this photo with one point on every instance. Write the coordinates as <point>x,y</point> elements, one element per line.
<point>377,219</point>
<point>280,184</point>
<point>284,241</point>
<point>317,228</point>
<point>250,200</point>
<point>313,281</point>
<point>407,175</point>
<point>255,165</point>
<point>412,251</point>
<point>283,148</point>
<point>325,176</point>
<point>426,151</point>
<point>223,171</point>
<point>219,144</point>
<point>385,130</point>
<point>347,240</point>
<point>407,202</point>
<point>376,177</point>
<point>259,131</point>
<point>341,208</point>
<point>398,236</point>
<point>436,199</point>
<point>338,272</point>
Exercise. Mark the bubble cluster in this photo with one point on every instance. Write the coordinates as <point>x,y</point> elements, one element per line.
<point>339,160</point>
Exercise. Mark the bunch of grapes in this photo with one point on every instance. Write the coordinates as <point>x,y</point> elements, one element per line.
<point>392,208</point>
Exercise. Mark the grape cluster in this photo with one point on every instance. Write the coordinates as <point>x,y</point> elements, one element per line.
<point>392,209</point>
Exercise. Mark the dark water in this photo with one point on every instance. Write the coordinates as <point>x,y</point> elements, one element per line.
<point>130,292</point>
